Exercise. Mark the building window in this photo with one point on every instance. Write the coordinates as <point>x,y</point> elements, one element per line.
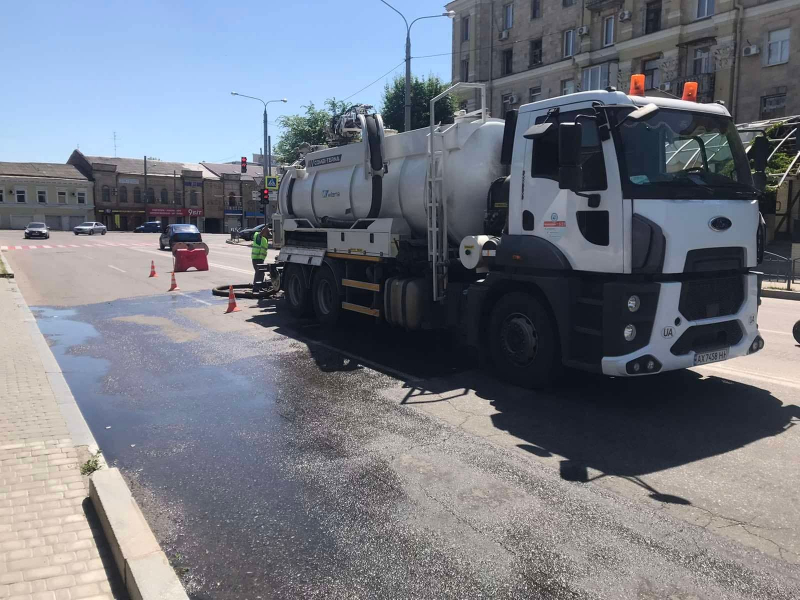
<point>164,196</point>
<point>536,9</point>
<point>123,194</point>
<point>151,196</point>
<point>566,3</point>
<point>773,106</point>
<point>193,198</point>
<point>81,197</point>
<point>595,78</point>
<point>705,8</point>
<point>508,16</point>
<point>608,31</point>
<point>465,29</point>
<point>21,196</point>
<point>569,43</point>
<point>652,17</point>
<point>507,65</point>
<point>534,93</point>
<point>701,63</point>
<point>105,194</point>
<point>465,70</point>
<point>137,195</point>
<point>652,76</point>
<point>62,197</point>
<point>778,47</point>
<point>178,197</point>
<point>41,196</point>
<point>567,86</point>
<point>535,55</point>
<point>231,200</point>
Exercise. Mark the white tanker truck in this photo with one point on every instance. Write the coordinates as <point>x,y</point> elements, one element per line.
<point>608,232</point>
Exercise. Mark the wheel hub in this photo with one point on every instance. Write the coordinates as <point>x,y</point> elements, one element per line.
<point>520,339</point>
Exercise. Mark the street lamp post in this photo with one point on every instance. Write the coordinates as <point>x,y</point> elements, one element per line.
<point>407,111</point>
<point>267,157</point>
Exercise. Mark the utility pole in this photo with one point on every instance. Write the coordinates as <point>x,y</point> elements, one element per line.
<point>146,198</point>
<point>115,144</point>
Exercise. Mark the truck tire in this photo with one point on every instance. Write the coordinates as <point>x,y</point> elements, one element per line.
<point>296,293</point>
<point>796,332</point>
<point>522,341</point>
<point>325,297</point>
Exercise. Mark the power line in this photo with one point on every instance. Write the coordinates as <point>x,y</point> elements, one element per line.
<point>394,68</point>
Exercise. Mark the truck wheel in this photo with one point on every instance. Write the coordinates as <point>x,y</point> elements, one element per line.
<point>522,341</point>
<point>295,290</point>
<point>796,332</point>
<point>325,297</point>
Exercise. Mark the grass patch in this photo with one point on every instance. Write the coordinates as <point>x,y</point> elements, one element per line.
<point>3,267</point>
<point>93,464</point>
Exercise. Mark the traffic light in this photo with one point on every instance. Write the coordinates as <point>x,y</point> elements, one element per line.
<point>264,196</point>
<point>244,164</point>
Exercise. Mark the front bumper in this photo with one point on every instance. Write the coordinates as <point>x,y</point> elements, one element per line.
<point>672,350</point>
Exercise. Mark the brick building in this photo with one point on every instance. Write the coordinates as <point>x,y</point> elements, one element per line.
<point>241,193</point>
<point>528,50</point>
<point>129,192</point>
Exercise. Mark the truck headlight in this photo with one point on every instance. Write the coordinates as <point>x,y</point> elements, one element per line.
<point>629,333</point>
<point>634,303</point>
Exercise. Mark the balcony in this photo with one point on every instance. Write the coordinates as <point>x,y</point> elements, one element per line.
<point>705,86</point>
<point>598,5</point>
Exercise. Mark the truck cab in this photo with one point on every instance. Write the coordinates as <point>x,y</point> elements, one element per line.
<point>636,221</point>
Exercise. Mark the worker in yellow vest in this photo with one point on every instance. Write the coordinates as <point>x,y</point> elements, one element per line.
<point>260,245</point>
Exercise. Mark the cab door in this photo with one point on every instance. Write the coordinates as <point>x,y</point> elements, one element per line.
<point>587,226</point>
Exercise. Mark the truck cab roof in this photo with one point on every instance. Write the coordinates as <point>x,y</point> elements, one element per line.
<point>621,99</point>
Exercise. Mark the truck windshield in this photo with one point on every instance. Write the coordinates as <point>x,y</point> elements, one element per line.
<point>683,155</point>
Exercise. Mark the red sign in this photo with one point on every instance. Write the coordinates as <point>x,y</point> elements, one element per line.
<point>157,211</point>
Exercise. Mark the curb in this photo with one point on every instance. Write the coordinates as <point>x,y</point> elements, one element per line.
<point>9,272</point>
<point>138,580</point>
<point>145,570</point>
<point>782,294</point>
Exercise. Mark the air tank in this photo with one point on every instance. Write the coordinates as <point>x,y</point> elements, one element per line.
<point>385,176</point>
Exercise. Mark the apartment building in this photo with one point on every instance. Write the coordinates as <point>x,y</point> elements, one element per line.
<point>528,50</point>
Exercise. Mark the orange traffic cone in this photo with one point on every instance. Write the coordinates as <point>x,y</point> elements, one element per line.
<point>174,284</point>
<point>231,302</point>
<point>153,269</point>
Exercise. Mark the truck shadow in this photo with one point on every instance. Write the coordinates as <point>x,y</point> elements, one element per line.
<point>622,427</point>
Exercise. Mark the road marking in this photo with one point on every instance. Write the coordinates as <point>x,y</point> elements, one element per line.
<point>773,331</point>
<point>3,247</point>
<point>17,247</point>
<point>195,299</point>
<point>48,247</point>
<point>116,269</point>
<point>732,373</point>
<point>217,265</point>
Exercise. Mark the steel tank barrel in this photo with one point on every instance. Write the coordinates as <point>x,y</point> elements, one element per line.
<point>342,184</point>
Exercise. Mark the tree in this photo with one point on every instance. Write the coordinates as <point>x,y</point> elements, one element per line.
<point>308,127</point>
<point>422,90</point>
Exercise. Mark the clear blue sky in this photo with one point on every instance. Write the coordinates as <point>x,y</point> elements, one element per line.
<point>160,73</point>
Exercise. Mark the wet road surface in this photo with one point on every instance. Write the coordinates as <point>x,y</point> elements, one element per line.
<point>271,466</point>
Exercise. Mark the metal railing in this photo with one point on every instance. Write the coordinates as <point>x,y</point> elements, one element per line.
<point>705,86</point>
<point>780,268</point>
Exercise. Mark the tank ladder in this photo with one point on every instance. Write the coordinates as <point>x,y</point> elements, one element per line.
<point>436,203</point>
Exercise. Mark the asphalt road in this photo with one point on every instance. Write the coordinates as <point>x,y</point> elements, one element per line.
<point>276,460</point>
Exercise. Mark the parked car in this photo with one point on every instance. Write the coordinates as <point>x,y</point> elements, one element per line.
<point>179,232</point>
<point>149,227</point>
<point>90,228</point>
<point>39,230</point>
<point>247,234</point>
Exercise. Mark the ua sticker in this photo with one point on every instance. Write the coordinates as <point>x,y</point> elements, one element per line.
<point>668,332</point>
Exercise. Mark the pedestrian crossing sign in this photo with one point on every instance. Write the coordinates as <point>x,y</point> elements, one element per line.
<point>272,182</point>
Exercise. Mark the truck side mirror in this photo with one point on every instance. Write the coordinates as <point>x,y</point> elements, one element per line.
<point>759,153</point>
<point>570,174</point>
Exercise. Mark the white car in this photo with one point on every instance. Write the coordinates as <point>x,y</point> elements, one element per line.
<point>90,228</point>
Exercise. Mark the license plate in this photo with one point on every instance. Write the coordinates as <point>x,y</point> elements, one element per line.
<point>703,358</point>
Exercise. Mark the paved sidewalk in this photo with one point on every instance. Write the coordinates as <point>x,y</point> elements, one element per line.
<point>51,543</point>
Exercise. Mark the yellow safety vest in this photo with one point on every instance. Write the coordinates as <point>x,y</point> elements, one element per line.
<point>260,244</point>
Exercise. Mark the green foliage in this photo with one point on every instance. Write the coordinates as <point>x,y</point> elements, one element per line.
<point>779,163</point>
<point>422,90</point>
<point>92,465</point>
<point>308,127</point>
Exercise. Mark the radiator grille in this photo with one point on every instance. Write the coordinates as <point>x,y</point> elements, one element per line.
<point>711,297</point>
